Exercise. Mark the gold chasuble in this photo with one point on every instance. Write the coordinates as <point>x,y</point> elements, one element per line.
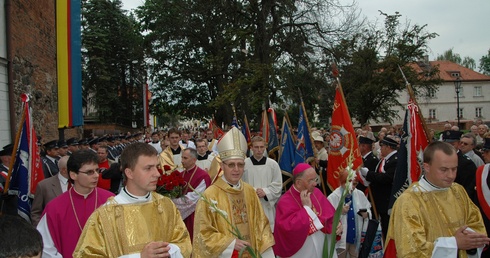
<point>215,169</point>
<point>212,234</point>
<point>419,217</point>
<point>116,229</point>
<point>167,159</point>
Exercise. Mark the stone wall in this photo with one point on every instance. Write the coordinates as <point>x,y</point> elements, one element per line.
<point>33,47</point>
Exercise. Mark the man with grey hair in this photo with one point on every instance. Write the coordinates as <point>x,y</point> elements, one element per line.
<point>197,180</point>
<point>474,130</point>
<point>467,144</point>
<point>480,137</point>
<point>447,127</point>
<point>48,189</point>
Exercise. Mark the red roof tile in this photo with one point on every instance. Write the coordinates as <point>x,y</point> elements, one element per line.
<point>447,68</point>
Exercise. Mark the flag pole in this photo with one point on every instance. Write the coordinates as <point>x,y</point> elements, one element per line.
<point>335,73</point>
<point>16,147</point>
<point>289,175</point>
<point>234,111</point>
<point>412,96</point>
<point>315,152</point>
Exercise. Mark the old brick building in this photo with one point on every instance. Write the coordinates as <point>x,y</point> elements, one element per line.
<point>28,65</point>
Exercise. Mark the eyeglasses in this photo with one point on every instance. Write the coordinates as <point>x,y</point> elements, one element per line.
<point>235,165</point>
<point>90,172</point>
<point>315,180</point>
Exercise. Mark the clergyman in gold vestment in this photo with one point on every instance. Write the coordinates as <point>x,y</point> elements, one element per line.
<point>212,236</point>
<point>435,217</point>
<point>172,155</point>
<point>137,221</point>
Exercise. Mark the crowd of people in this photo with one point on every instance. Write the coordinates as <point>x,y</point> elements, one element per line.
<point>99,199</point>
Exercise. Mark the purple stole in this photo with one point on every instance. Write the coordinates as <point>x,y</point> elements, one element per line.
<point>193,177</point>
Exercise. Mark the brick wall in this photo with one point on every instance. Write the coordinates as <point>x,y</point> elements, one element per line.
<point>34,62</point>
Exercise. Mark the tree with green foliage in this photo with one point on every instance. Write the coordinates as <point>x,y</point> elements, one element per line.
<point>469,62</point>
<point>449,55</point>
<point>485,63</point>
<point>372,82</point>
<point>206,55</point>
<point>113,63</point>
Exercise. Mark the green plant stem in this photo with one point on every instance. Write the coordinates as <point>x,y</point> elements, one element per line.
<point>234,229</point>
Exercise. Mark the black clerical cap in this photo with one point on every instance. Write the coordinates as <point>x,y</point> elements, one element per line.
<point>389,141</point>
<point>51,145</point>
<point>365,140</point>
<point>451,136</point>
<point>486,145</point>
<point>7,150</point>
<point>93,141</point>
<point>62,144</point>
<point>83,141</point>
<point>72,141</point>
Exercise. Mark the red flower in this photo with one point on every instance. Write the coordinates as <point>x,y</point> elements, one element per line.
<point>171,185</point>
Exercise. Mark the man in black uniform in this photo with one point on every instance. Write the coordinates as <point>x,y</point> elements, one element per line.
<point>72,145</point>
<point>466,174</point>
<point>50,160</point>
<point>381,179</point>
<point>369,160</point>
<point>5,158</point>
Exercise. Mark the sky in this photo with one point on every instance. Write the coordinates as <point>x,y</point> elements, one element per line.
<point>461,25</point>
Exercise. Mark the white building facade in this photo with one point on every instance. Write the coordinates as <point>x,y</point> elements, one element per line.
<point>440,106</point>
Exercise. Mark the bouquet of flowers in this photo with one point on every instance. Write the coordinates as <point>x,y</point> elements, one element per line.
<point>171,185</point>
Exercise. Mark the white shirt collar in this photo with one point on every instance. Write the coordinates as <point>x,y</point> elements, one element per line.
<point>366,154</point>
<point>390,154</point>
<point>51,158</point>
<point>63,180</point>
<point>237,186</point>
<point>426,186</point>
<point>130,198</point>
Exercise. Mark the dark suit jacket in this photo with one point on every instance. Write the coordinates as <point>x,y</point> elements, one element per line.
<point>2,178</point>
<point>49,167</point>
<point>115,174</point>
<point>8,203</point>
<point>370,162</point>
<point>381,183</point>
<point>46,190</point>
<point>466,175</point>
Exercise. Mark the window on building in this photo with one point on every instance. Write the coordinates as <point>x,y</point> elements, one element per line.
<point>477,91</point>
<point>478,112</point>
<point>431,93</point>
<point>432,113</point>
<point>460,113</point>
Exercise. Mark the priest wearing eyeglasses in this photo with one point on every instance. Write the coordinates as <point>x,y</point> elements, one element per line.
<point>215,235</point>
<point>65,216</point>
<point>304,217</point>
